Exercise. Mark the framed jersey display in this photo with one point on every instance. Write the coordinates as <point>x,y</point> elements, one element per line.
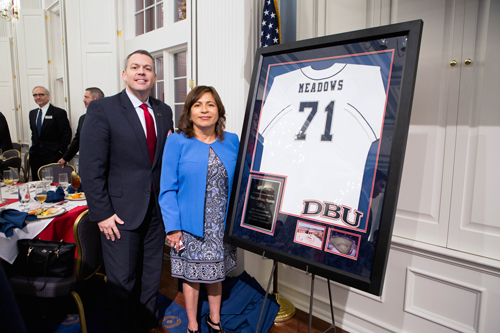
<point>322,150</point>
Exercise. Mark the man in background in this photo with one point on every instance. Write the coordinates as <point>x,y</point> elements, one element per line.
<point>91,94</point>
<point>50,131</point>
<point>5,141</point>
<point>121,154</point>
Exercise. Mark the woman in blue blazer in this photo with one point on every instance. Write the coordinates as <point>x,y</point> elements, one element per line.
<point>196,180</point>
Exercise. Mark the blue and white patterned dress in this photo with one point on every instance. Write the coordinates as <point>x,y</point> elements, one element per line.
<point>208,259</point>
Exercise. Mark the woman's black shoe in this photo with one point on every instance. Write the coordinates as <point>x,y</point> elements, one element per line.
<point>189,331</point>
<point>211,329</point>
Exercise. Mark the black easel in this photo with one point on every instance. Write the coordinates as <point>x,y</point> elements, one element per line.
<point>275,263</point>
<point>311,305</point>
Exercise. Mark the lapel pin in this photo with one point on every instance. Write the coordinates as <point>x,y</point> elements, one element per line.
<point>158,114</point>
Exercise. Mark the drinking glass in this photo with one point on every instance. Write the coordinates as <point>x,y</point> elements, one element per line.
<point>15,178</point>
<point>23,192</point>
<point>63,181</point>
<point>41,192</point>
<point>8,178</point>
<point>48,175</point>
<point>75,181</point>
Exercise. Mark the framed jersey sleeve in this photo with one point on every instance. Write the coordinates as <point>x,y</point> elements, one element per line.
<point>322,150</point>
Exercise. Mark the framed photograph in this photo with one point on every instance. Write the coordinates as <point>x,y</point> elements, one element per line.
<point>322,151</point>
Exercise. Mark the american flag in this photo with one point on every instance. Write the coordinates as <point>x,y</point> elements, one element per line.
<point>270,33</point>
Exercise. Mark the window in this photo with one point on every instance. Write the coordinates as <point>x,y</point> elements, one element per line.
<point>148,16</point>
<point>158,90</point>
<point>180,84</point>
<point>180,10</point>
<point>179,78</point>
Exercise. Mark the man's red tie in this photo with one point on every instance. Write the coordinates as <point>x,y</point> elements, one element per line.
<point>151,133</point>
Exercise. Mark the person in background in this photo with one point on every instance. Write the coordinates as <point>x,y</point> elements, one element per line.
<point>196,179</point>
<point>50,132</point>
<point>90,95</point>
<point>121,153</point>
<point>5,141</point>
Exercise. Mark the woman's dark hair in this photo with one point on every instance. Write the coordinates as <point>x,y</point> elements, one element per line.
<point>186,125</point>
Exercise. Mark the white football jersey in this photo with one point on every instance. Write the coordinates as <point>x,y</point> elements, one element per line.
<point>317,127</point>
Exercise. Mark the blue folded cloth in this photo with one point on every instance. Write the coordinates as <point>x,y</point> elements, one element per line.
<point>11,218</point>
<point>72,190</point>
<point>243,299</point>
<point>55,196</point>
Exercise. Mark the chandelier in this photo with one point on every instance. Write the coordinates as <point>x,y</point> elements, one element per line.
<point>8,10</point>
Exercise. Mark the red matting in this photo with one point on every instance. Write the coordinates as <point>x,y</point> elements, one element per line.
<point>61,227</point>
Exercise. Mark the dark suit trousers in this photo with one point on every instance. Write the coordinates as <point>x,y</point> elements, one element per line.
<point>133,267</point>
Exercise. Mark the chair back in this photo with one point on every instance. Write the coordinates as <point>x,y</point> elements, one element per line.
<point>17,146</point>
<point>11,153</point>
<point>57,170</point>
<point>88,245</point>
<point>14,163</point>
<point>26,167</point>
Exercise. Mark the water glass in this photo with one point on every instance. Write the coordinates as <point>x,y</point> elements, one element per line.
<point>23,192</point>
<point>63,181</point>
<point>48,175</point>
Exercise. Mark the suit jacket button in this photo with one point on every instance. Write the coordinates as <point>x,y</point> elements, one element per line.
<point>148,191</point>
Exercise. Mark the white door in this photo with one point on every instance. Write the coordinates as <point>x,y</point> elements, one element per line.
<point>475,209</point>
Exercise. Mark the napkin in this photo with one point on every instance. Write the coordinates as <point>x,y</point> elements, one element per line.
<point>55,196</point>
<point>11,218</point>
<point>72,190</point>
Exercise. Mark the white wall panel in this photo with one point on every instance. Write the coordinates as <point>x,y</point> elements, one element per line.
<point>99,42</point>
<point>35,42</point>
<point>33,62</point>
<point>100,25</point>
<point>101,63</point>
<point>227,67</point>
<point>345,15</point>
<point>7,82</point>
<point>75,67</point>
<point>425,290</point>
<point>5,59</point>
<point>443,301</point>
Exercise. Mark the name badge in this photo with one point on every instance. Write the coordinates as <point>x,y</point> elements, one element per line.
<point>48,117</point>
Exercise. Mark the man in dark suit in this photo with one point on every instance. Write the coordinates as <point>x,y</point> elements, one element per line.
<point>50,132</point>
<point>5,141</point>
<point>90,95</point>
<point>121,153</point>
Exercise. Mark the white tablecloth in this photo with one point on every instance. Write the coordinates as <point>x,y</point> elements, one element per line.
<point>8,245</point>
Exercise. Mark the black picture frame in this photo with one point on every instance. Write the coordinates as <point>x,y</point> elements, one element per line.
<point>339,172</point>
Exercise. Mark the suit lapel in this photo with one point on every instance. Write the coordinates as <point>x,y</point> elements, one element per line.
<point>50,112</point>
<point>131,116</point>
<point>34,131</point>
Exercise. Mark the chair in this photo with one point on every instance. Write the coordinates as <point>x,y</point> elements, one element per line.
<point>11,153</point>
<point>89,261</point>
<point>17,146</point>
<point>14,163</point>
<point>57,170</point>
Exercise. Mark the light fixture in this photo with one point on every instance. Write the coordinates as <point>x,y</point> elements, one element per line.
<point>8,10</point>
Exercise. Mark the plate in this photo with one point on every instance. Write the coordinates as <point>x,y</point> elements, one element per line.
<point>79,199</point>
<point>62,211</point>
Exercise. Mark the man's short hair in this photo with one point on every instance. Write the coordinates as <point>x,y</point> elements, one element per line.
<point>95,92</point>
<point>141,52</point>
<point>47,92</point>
